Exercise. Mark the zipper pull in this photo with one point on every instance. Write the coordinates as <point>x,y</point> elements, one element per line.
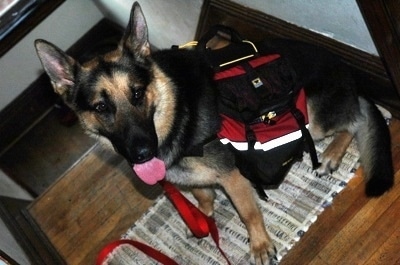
<point>267,118</point>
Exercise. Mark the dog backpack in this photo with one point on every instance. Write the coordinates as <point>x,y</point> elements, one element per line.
<point>262,108</point>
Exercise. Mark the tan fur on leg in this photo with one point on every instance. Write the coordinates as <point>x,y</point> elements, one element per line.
<point>242,195</point>
<point>205,198</point>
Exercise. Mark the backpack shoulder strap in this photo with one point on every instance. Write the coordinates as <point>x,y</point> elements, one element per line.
<point>299,117</point>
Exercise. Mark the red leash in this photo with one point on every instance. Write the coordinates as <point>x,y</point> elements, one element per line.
<point>199,224</point>
<point>149,251</point>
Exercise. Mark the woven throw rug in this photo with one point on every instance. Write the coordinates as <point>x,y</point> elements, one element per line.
<point>290,211</point>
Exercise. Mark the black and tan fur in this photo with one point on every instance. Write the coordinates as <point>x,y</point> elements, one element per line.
<point>163,104</point>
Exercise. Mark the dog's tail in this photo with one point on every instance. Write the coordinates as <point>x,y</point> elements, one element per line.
<point>374,143</point>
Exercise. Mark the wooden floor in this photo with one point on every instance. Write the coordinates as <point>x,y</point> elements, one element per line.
<point>96,200</point>
<point>356,229</point>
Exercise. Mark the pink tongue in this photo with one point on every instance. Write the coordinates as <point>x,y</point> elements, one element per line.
<point>151,171</point>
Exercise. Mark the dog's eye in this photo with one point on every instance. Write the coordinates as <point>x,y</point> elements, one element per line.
<point>100,107</point>
<point>138,93</point>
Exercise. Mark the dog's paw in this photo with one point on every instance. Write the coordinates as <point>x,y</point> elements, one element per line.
<point>263,253</point>
<point>329,163</point>
<point>326,168</point>
<point>334,152</point>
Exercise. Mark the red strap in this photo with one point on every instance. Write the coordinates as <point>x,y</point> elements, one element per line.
<point>149,251</point>
<point>193,217</point>
<point>199,224</point>
<point>215,236</point>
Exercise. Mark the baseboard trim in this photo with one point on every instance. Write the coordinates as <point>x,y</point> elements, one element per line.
<point>35,244</point>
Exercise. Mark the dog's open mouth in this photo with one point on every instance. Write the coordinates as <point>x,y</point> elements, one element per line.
<point>150,171</point>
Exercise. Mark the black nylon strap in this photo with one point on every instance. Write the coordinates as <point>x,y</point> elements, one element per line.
<point>299,117</point>
<point>250,137</point>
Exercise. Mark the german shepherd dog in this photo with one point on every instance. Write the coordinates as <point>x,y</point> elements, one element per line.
<point>154,108</point>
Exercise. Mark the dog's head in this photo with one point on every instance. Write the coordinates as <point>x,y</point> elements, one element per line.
<point>116,96</point>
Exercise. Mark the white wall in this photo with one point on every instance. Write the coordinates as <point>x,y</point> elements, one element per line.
<point>170,22</point>
<point>20,66</point>
<point>8,244</point>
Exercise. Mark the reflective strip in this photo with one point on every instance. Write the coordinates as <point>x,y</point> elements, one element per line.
<point>243,146</point>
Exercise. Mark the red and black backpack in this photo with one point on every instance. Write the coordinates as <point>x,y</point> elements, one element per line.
<point>262,106</point>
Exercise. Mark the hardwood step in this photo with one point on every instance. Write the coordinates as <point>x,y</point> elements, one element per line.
<point>45,153</point>
<point>94,203</point>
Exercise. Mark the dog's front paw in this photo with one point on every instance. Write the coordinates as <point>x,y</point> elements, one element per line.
<point>333,154</point>
<point>329,162</point>
<point>327,167</point>
<point>263,252</point>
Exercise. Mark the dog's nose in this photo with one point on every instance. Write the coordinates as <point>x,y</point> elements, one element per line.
<point>143,154</point>
<point>135,145</point>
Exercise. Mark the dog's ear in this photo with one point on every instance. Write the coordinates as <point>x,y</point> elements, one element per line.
<point>58,65</point>
<point>135,37</point>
